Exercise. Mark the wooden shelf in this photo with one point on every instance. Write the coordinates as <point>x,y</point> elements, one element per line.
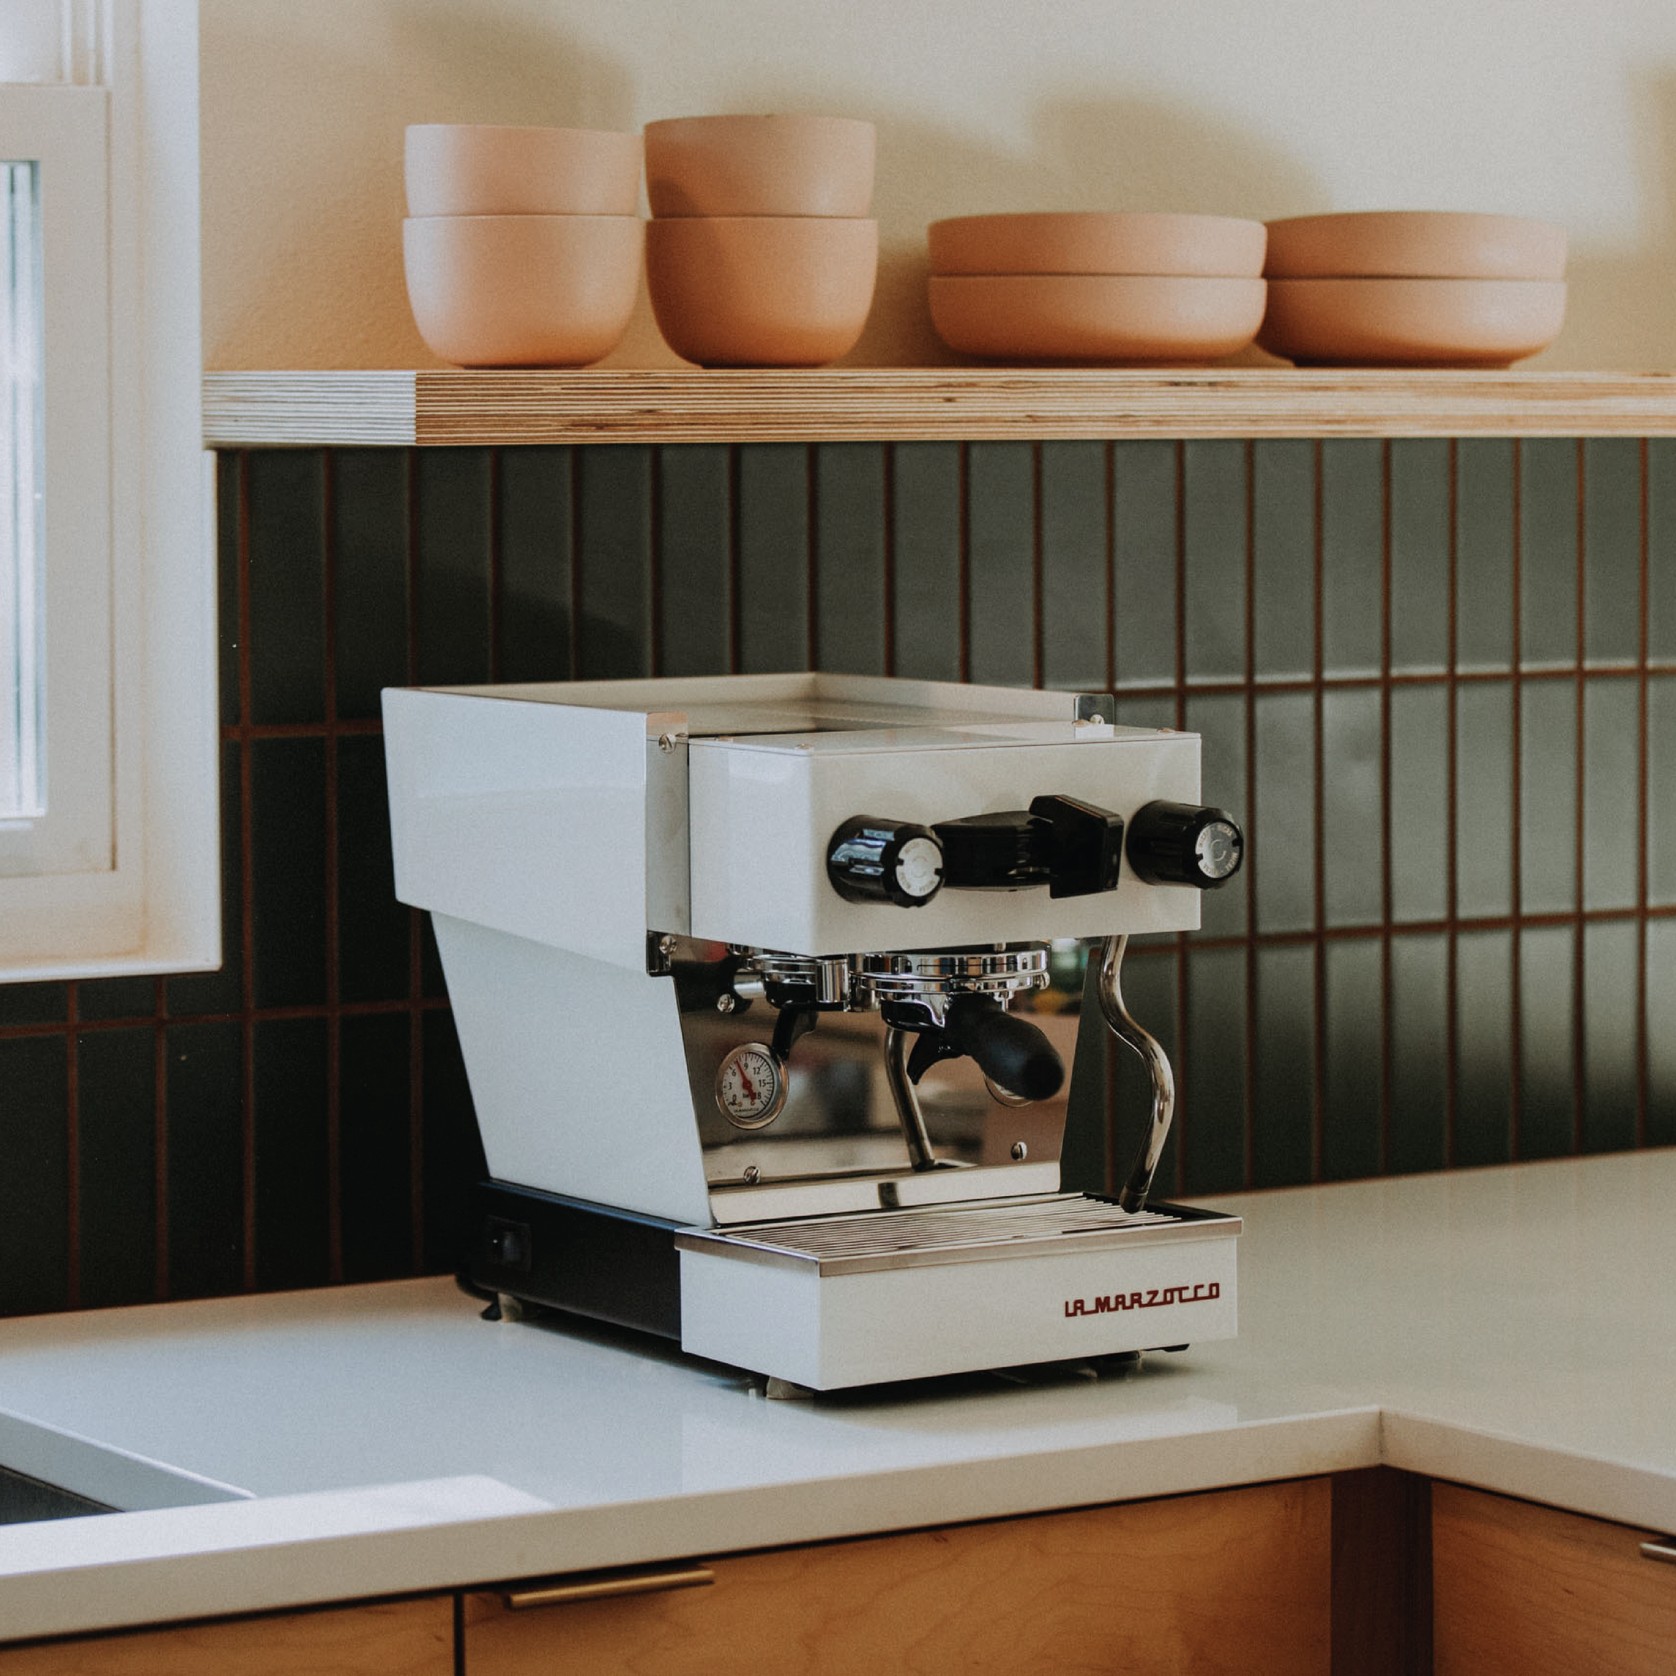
<point>255,409</point>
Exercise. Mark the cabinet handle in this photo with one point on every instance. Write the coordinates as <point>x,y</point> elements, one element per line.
<point>1665,1551</point>
<point>651,1580</point>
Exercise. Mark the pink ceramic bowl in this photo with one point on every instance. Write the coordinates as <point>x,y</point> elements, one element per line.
<point>1088,242</point>
<point>761,291</point>
<point>522,290</point>
<point>1415,244</point>
<point>480,169</point>
<point>760,165</point>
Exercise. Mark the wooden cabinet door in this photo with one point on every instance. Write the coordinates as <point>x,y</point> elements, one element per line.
<point>395,1638</point>
<point>1234,1582</point>
<point>1522,1590</point>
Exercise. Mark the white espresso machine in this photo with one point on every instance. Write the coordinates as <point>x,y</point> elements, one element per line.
<point>761,983</point>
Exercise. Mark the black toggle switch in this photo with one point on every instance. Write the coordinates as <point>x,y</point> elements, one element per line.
<point>1084,848</point>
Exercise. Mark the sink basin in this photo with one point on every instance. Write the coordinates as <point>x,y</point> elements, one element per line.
<point>24,1499</point>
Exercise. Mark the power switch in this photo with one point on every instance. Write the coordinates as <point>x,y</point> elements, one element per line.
<point>507,1243</point>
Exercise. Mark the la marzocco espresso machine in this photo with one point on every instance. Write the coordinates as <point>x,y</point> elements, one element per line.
<point>755,979</point>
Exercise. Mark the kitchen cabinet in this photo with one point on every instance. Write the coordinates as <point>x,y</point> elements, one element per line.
<point>1523,1590</point>
<point>1230,1581</point>
<point>390,1638</point>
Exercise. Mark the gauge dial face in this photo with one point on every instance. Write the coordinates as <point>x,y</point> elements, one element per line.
<point>751,1086</point>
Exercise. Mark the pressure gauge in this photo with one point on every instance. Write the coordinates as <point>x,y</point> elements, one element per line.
<point>751,1086</point>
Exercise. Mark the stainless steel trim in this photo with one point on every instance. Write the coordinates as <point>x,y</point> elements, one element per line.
<point>606,1586</point>
<point>941,972</point>
<point>902,1091</point>
<point>1152,1055</point>
<point>1665,1551</point>
<point>739,1204</point>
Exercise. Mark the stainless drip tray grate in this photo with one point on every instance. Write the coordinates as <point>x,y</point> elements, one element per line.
<point>960,1233</point>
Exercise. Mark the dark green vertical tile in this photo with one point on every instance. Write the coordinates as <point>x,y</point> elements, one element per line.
<point>116,1143</point>
<point>220,991</point>
<point>1546,1107</point>
<point>1146,535</point>
<point>1484,799</point>
<point>288,870</point>
<point>287,495</point>
<point>1213,502</point>
<point>35,1185</point>
<point>455,533</point>
<point>773,539</point>
<point>375,1152</point>
<point>1611,549</point>
<point>535,518</point>
<point>1219,720</point>
<point>205,1069</point>
<point>293,1204</point>
<point>1283,836</point>
<point>1150,992</point>
<point>1076,565</point>
<point>111,998</point>
<point>1483,1088</point>
<point>369,574</point>
<point>1352,554</point>
<point>1283,1116</point>
<point>1419,803</point>
<point>1352,841</point>
<point>1213,1139</point>
<point>850,557</point>
<point>374,929</point>
<point>1419,1026</point>
<point>1548,797</point>
<point>1283,558</point>
<point>1611,954</point>
<point>1350,1126</point>
<point>1484,537</point>
<point>1611,729</point>
<point>1661,790</point>
<point>1420,555</point>
<point>925,539</point>
<point>453,1153</point>
<point>1547,552</point>
<point>695,543</point>
<point>1661,541</point>
<point>1661,1039</point>
<point>1001,544</point>
<point>34,1003</point>
<point>229,488</point>
<point>614,563</point>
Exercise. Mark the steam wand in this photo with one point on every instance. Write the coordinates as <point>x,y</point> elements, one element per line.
<point>1135,1190</point>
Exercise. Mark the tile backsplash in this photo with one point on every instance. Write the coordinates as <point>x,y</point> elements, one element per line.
<point>1437,679</point>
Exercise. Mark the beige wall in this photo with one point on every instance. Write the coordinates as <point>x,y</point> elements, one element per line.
<point>1558,108</point>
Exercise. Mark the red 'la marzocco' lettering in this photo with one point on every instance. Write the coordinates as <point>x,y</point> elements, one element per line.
<point>1154,1298</point>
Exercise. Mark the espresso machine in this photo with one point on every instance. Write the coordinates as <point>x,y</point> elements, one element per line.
<point>766,986</point>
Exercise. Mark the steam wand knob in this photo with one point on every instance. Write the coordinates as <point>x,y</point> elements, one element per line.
<point>1184,844</point>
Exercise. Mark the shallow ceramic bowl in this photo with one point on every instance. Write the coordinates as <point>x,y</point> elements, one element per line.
<point>480,169</point>
<point>760,165</point>
<point>1105,319</point>
<point>1411,322</point>
<point>761,291</point>
<point>1415,244</point>
<point>1094,243</point>
<point>522,290</point>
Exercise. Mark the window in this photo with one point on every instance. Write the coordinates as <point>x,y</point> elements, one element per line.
<point>107,727</point>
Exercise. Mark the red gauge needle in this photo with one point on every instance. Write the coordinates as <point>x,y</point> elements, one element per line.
<point>746,1083</point>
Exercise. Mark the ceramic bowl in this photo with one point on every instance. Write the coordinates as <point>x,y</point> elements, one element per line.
<point>1411,322</point>
<point>1108,319</point>
<point>1415,244</point>
<point>478,169</point>
<point>761,291</point>
<point>522,290</point>
<point>760,165</point>
<point>1093,243</point>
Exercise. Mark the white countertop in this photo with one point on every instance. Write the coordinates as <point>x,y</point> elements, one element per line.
<point>1511,1328</point>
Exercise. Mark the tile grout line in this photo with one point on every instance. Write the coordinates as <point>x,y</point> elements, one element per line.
<point>1580,855</point>
<point>963,536</point>
<point>1250,1019</point>
<point>1451,885</point>
<point>1318,815</point>
<point>1643,776</point>
<point>1515,883</point>
<point>887,496</point>
<point>415,945</point>
<point>1387,866</point>
<point>1182,1125</point>
<point>333,885</point>
<point>247,897</point>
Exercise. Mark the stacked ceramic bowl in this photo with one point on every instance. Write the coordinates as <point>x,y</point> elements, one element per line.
<point>1413,289</point>
<point>522,245</point>
<point>1112,289</point>
<point>760,252</point>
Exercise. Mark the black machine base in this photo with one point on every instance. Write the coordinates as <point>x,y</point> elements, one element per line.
<point>541,1248</point>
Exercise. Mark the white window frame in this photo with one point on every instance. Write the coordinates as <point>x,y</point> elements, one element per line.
<point>131,882</point>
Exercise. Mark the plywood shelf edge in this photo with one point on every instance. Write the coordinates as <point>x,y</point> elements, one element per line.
<point>452,407</point>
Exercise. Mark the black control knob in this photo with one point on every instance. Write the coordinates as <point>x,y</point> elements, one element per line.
<point>873,860</point>
<point>1184,844</point>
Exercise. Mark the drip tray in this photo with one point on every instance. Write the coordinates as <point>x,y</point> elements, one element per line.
<point>871,1241</point>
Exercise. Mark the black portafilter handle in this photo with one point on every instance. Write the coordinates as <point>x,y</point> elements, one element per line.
<point>1009,1050</point>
